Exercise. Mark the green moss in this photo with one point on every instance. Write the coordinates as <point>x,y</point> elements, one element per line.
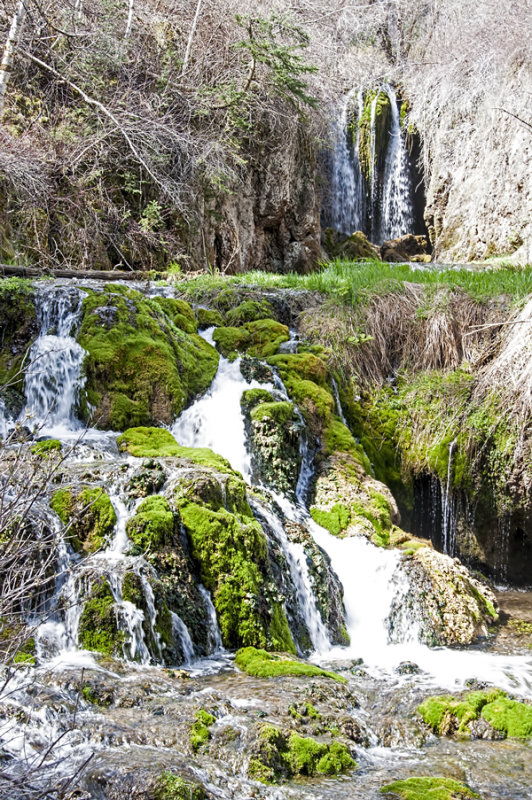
<point>173,787</point>
<point>26,653</point>
<point>158,442</point>
<point>208,317</point>
<point>98,629</point>
<point>509,716</point>
<point>335,521</point>
<point>259,339</point>
<point>272,665</point>
<point>446,714</point>
<point>280,412</point>
<point>429,789</point>
<point>303,365</point>
<point>380,135</point>
<point>152,527</point>
<point>339,439</point>
<point>252,397</point>
<point>45,447</point>
<point>180,312</point>
<point>280,637</point>
<point>315,402</point>
<point>141,368</point>
<point>249,311</point>
<point>200,731</point>
<point>89,514</point>
<point>279,755</point>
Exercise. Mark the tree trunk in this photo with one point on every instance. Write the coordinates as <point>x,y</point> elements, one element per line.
<point>191,37</point>
<point>12,40</point>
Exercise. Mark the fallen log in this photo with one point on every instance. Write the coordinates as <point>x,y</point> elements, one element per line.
<point>92,274</point>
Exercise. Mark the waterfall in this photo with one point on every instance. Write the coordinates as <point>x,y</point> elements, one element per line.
<point>180,631</point>
<point>397,216</point>
<point>348,200</point>
<point>383,208</point>
<point>448,516</point>
<point>54,375</point>
<point>215,636</point>
<point>199,425</point>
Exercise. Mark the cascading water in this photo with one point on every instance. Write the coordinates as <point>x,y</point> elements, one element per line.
<point>397,217</point>
<point>348,200</point>
<point>448,521</point>
<point>54,375</point>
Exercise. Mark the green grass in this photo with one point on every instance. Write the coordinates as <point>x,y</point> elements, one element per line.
<point>352,282</point>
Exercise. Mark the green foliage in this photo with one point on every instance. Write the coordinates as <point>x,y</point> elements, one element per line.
<point>272,665</point>
<point>280,412</point>
<point>207,317</point>
<point>89,514</point>
<point>26,653</point>
<point>173,787</point>
<point>259,339</point>
<point>429,789</point>
<point>46,447</point>
<point>249,311</point>
<point>159,443</point>
<point>447,714</point>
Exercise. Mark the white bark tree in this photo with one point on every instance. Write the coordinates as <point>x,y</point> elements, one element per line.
<point>13,37</point>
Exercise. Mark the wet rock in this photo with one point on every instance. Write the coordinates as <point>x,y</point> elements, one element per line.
<point>149,479</point>
<point>253,369</point>
<point>407,668</point>
<point>405,248</point>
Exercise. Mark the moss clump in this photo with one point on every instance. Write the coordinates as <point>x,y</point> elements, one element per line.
<point>303,365</point>
<point>447,714</point>
<point>429,789</point>
<point>278,755</point>
<point>272,665</point>
<point>248,311</point>
<point>26,653</point>
<point>159,443</point>
<point>372,159</point>
<point>252,397</point>
<point>200,732</point>
<point>208,317</point>
<point>141,368</point>
<point>152,527</point>
<point>18,328</point>
<point>280,412</point>
<point>180,312</point>
<point>89,514</point>
<point>335,521</point>
<point>173,787</point>
<point>98,628</point>
<point>230,549</point>
<point>46,447</point>
<point>260,339</point>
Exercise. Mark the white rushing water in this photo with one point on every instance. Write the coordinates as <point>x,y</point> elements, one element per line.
<point>348,197</point>
<point>215,420</point>
<point>54,375</point>
<point>397,217</point>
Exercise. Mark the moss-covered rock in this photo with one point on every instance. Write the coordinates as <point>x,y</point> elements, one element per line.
<point>260,339</point>
<point>152,527</point>
<point>159,443</point>
<point>372,157</point>
<point>429,789</point>
<point>18,329</point>
<point>272,665</point>
<point>89,515</point>
<point>273,430</point>
<point>200,732</point>
<point>452,606</point>
<point>231,552</point>
<point>141,367</point>
<point>277,755</point>
<point>174,787</point>
<point>249,311</point>
<point>208,317</point>
<point>46,447</point>
<point>502,716</point>
<point>98,626</point>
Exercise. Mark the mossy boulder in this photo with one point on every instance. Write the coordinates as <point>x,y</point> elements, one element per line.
<point>273,665</point>
<point>276,755</point>
<point>200,732</point>
<point>98,624</point>
<point>230,550</point>
<point>432,788</point>
<point>18,329</point>
<point>249,311</point>
<point>372,157</point>
<point>153,525</point>
<point>89,515</point>
<point>208,318</point>
<point>452,606</point>
<point>488,714</point>
<point>274,431</point>
<point>46,447</point>
<point>159,443</point>
<point>260,339</point>
<point>173,787</point>
<point>141,368</point>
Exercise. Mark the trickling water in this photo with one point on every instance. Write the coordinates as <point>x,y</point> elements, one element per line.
<point>214,634</point>
<point>397,217</point>
<point>215,420</point>
<point>502,544</point>
<point>448,516</point>
<point>348,201</point>
<point>182,635</point>
<point>339,409</point>
<point>54,375</point>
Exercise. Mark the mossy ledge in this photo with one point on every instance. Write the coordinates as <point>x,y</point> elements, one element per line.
<point>277,755</point>
<point>273,665</point>
<point>89,515</point>
<point>448,715</point>
<point>429,789</point>
<point>173,787</point>
<point>159,443</point>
